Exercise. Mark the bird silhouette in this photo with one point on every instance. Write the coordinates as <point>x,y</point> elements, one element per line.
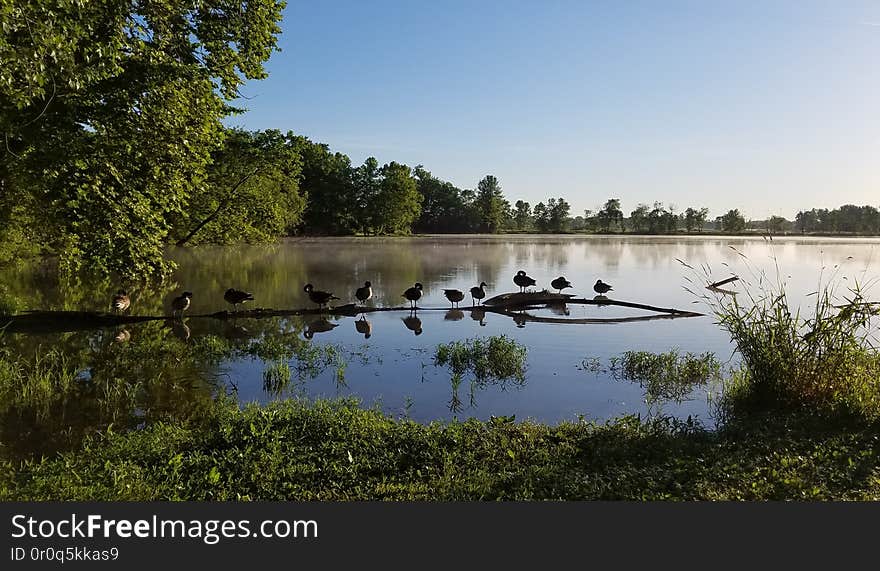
<point>478,292</point>
<point>236,297</point>
<point>362,294</point>
<point>181,303</point>
<point>322,298</point>
<point>413,294</point>
<point>560,284</point>
<point>522,280</point>
<point>120,302</point>
<point>454,296</point>
<point>601,288</point>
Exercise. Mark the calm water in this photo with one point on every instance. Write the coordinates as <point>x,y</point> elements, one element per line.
<point>394,368</point>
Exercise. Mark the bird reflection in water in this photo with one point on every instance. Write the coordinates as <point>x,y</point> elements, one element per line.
<point>413,323</point>
<point>180,330</point>
<point>122,336</point>
<point>454,315</point>
<point>318,326</point>
<point>559,308</point>
<point>364,327</point>
<point>520,319</point>
<point>478,314</point>
<point>233,331</point>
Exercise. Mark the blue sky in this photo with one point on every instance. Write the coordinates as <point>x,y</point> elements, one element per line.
<point>767,106</point>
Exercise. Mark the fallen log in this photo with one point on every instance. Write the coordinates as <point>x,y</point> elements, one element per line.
<point>511,305</point>
<point>718,284</point>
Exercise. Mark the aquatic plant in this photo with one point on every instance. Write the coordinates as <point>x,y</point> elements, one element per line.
<point>826,361</point>
<point>667,376</point>
<point>495,358</point>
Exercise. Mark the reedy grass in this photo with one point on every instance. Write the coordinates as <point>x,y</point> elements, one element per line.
<point>826,361</point>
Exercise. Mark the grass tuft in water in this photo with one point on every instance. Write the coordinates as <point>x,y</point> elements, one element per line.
<point>495,358</point>
<point>667,376</point>
<point>826,361</point>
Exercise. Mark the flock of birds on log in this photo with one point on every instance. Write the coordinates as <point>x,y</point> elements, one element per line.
<point>121,301</point>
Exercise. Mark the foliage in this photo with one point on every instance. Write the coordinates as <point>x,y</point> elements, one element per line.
<point>610,217</point>
<point>848,218</point>
<point>251,192</point>
<point>491,205</point>
<point>694,219</point>
<point>336,451</point>
<point>554,216</point>
<point>110,112</point>
<point>825,362</point>
<point>669,375</point>
<point>733,221</point>
<point>494,358</point>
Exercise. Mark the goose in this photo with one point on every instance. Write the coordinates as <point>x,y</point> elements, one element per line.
<point>522,280</point>
<point>601,288</point>
<point>454,296</point>
<point>121,301</point>
<point>363,327</point>
<point>413,294</point>
<point>478,292</point>
<point>236,296</point>
<point>413,323</point>
<point>322,298</point>
<point>560,284</point>
<point>364,293</point>
<point>181,303</point>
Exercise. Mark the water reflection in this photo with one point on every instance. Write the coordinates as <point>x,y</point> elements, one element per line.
<point>413,323</point>
<point>364,327</point>
<point>479,314</point>
<point>453,315</point>
<point>321,325</point>
<point>144,372</point>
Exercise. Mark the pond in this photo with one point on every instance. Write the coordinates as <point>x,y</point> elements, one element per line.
<point>140,372</point>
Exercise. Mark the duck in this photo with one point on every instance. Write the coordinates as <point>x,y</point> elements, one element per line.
<point>413,323</point>
<point>478,292</point>
<point>560,284</point>
<point>322,298</point>
<point>364,327</point>
<point>121,301</point>
<point>454,296</point>
<point>601,288</point>
<point>237,296</point>
<point>181,303</point>
<point>414,293</point>
<point>362,294</point>
<point>522,280</point>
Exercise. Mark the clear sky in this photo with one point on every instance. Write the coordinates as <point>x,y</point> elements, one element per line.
<point>768,106</point>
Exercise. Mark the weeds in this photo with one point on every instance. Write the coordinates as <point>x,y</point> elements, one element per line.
<point>826,361</point>
<point>666,376</point>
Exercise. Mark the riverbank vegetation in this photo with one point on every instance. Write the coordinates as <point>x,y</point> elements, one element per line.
<point>800,419</point>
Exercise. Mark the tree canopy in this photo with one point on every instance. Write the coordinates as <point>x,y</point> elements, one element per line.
<point>110,112</point>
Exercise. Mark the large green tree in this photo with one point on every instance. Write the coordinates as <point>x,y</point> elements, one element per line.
<point>109,112</point>
<point>398,202</point>
<point>490,204</point>
<point>251,193</point>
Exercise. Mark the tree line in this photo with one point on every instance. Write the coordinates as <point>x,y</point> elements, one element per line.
<point>113,147</point>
